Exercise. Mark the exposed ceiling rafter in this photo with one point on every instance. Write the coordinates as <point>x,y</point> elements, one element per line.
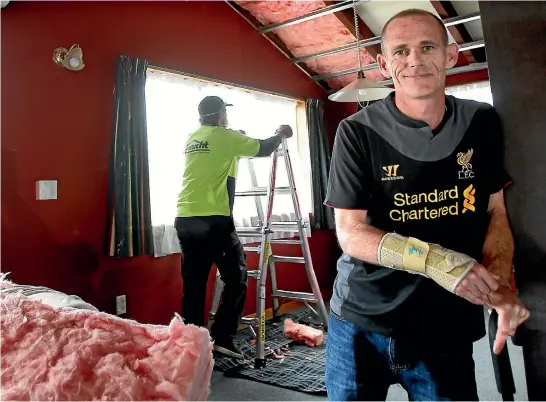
<point>275,41</point>
<point>333,7</point>
<point>461,35</point>
<point>346,17</point>
<point>448,22</point>
<point>334,72</point>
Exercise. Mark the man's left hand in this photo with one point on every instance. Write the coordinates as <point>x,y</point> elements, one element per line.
<point>512,313</point>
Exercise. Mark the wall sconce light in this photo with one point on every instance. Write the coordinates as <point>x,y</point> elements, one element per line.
<point>70,59</point>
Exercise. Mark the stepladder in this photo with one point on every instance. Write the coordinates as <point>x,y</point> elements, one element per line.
<point>264,233</point>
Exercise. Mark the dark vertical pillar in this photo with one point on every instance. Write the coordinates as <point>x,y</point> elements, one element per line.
<point>514,33</point>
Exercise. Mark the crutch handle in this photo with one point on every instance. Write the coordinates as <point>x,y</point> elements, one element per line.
<point>501,363</point>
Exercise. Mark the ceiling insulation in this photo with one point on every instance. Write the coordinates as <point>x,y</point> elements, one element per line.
<point>313,36</point>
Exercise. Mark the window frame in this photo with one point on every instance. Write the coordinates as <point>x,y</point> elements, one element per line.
<point>301,133</point>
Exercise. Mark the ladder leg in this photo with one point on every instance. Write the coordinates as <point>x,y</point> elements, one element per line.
<point>259,360</point>
<point>274,290</point>
<point>304,241</point>
<point>314,284</point>
<point>216,296</point>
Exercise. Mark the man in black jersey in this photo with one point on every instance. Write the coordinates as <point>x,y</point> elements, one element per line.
<point>417,183</point>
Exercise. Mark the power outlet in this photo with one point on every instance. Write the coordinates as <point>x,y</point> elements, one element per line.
<point>121,305</point>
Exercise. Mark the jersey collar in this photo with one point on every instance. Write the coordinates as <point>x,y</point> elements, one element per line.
<point>414,123</point>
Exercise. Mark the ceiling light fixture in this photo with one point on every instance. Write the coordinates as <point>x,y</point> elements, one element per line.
<point>360,90</point>
<point>70,59</point>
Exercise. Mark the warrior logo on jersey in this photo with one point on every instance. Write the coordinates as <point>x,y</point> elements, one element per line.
<point>463,159</point>
<point>391,173</point>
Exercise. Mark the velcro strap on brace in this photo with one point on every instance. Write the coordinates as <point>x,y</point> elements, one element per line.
<point>448,267</point>
<point>445,267</point>
<point>415,255</point>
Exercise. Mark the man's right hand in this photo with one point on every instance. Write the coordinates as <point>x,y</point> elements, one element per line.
<point>477,285</point>
<point>512,313</point>
<point>284,131</point>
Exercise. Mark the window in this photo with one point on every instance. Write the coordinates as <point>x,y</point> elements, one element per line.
<point>171,103</point>
<point>480,91</point>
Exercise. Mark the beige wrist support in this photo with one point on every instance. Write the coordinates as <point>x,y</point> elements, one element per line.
<point>445,267</point>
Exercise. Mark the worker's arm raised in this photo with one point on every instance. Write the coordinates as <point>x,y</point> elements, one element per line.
<point>246,146</point>
<point>272,143</point>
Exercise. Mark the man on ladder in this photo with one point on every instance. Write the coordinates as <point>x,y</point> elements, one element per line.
<point>204,222</point>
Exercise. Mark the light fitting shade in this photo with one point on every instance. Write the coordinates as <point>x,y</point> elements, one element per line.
<point>360,90</point>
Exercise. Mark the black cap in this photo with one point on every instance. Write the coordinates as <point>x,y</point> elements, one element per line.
<point>211,105</point>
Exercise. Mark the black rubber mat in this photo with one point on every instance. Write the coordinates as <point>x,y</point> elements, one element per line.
<point>289,365</point>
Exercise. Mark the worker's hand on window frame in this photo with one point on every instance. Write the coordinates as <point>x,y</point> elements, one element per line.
<point>284,131</point>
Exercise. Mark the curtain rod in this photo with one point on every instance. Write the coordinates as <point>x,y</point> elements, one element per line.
<point>226,83</point>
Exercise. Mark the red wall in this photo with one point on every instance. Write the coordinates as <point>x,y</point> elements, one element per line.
<point>56,124</point>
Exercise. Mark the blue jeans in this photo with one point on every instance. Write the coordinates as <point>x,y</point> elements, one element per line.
<point>361,365</point>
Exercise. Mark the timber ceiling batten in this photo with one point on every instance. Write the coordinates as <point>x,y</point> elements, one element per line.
<point>318,36</point>
<point>312,36</point>
<point>446,10</point>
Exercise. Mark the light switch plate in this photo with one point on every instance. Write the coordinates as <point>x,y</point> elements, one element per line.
<point>121,305</point>
<point>46,190</point>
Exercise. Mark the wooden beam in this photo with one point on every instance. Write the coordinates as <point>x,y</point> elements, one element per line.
<point>446,10</point>
<point>467,78</point>
<point>275,41</point>
<point>346,17</point>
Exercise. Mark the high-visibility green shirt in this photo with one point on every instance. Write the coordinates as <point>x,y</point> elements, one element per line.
<point>210,164</point>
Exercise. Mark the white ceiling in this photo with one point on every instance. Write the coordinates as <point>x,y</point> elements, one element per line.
<point>376,13</point>
<point>474,28</point>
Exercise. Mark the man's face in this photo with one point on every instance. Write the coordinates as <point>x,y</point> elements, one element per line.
<point>416,57</point>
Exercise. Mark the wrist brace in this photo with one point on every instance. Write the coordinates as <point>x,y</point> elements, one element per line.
<point>445,267</point>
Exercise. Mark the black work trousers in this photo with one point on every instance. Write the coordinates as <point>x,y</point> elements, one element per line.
<point>205,241</point>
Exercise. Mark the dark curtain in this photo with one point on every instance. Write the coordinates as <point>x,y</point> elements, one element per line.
<point>323,216</point>
<point>129,216</point>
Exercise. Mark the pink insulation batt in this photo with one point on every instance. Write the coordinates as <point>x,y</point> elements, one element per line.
<point>313,36</point>
<point>71,354</point>
<point>303,333</point>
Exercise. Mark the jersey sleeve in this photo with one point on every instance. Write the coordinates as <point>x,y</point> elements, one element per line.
<point>499,177</point>
<point>241,145</point>
<point>350,181</point>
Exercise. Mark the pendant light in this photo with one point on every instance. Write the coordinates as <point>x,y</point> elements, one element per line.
<point>360,90</point>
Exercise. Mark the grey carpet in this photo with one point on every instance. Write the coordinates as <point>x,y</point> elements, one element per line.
<point>275,340</point>
<point>301,369</point>
<point>231,389</point>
